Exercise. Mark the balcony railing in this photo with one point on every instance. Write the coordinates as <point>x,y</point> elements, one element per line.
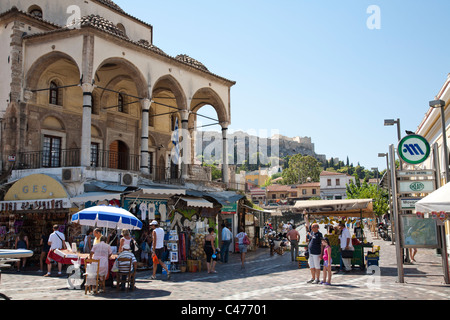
<point>71,158</point>
<point>115,160</point>
<point>48,159</point>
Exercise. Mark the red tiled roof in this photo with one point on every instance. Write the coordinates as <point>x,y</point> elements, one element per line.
<point>278,187</point>
<point>330,173</point>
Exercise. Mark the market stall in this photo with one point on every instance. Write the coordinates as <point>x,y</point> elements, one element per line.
<point>333,211</point>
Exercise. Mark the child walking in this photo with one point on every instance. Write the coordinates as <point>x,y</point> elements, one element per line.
<point>326,262</point>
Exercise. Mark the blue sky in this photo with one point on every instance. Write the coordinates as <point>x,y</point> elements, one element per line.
<point>313,67</point>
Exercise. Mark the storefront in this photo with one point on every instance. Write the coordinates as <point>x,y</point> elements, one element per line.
<point>32,206</point>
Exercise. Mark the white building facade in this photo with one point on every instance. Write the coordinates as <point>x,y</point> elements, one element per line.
<point>333,185</point>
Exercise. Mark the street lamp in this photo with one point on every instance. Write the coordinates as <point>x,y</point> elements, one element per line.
<point>391,122</point>
<point>441,104</point>
<point>388,177</point>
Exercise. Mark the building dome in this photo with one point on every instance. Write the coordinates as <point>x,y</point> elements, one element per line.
<point>111,4</point>
<point>191,61</point>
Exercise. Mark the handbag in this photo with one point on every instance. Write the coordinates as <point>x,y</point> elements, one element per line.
<point>115,267</point>
<point>347,254</point>
<point>246,240</point>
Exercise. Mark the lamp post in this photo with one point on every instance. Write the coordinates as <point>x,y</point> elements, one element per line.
<point>391,218</point>
<point>441,104</point>
<point>391,122</point>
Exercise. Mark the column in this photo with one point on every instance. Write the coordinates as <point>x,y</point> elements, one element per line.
<point>185,144</point>
<point>86,125</point>
<point>225,175</point>
<point>144,137</point>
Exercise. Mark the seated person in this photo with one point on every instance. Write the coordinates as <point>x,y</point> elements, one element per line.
<point>123,266</point>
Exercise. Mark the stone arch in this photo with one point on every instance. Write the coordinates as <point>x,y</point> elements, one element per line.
<point>168,83</point>
<point>131,71</point>
<point>41,64</point>
<point>52,122</point>
<point>207,96</point>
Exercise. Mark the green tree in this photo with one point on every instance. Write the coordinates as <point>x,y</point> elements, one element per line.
<point>379,196</point>
<point>301,168</point>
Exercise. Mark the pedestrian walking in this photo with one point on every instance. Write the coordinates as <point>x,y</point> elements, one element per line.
<point>55,241</point>
<point>21,243</point>
<point>294,237</point>
<point>412,254</point>
<point>45,248</point>
<point>158,248</point>
<point>327,261</point>
<point>346,246</point>
<point>210,249</point>
<point>227,236</point>
<point>243,242</point>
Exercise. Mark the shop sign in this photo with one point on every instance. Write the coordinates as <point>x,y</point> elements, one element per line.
<point>416,186</point>
<point>35,205</point>
<point>415,173</point>
<point>229,209</point>
<point>36,187</point>
<point>408,203</point>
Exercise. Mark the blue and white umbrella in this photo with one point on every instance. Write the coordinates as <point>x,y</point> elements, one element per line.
<point>107,217</point>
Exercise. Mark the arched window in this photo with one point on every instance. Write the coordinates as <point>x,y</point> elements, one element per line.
<point>55,95</point>
<point>122,28</point>
<point>35,11</point>
<point>121,103</point>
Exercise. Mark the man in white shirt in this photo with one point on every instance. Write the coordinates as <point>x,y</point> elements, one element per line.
<point>227,236</point>
<point>346,244</point>
<point>158,248</point>
<point>55,241</point>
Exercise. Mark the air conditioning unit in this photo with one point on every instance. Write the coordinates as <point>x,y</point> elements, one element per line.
<point>71,175</point>
<point>128,179</point>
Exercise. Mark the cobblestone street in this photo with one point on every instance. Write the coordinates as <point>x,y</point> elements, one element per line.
<point>264,278</point>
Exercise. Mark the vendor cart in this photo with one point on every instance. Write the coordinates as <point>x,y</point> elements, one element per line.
<point>76,270</point>
<point>340,209</point>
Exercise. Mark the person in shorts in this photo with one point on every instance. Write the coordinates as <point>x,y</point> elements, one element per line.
<point>315,252</point>
<point>158,248</point>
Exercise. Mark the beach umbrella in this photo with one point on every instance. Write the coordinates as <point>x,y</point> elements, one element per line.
<point>107,217</point>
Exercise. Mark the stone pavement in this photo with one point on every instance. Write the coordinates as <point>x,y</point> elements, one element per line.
<point>264,278</point>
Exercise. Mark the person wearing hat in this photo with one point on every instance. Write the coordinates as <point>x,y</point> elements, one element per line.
<point>158,248</point>
<point>123,265</point>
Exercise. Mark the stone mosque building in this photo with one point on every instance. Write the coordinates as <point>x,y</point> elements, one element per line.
<point>84,88</point>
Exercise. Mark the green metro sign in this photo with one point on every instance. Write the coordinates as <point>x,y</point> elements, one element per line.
<point>414,149</point>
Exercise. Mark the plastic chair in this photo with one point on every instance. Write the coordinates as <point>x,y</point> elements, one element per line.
<point>88,286</point>
<point>125,273</point>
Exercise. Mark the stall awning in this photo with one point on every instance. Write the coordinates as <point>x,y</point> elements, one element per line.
<point>197,202</point>
<point>163,191</point>
<point>437,201</point>
<point>95,196</point>
<point>348,207</point>
<point>222,197</point>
